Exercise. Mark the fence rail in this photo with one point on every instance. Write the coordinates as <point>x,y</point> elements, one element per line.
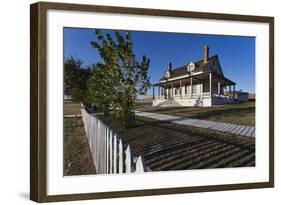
<point>108,151</point>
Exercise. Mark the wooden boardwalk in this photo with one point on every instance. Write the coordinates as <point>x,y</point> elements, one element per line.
<point>216,126</point>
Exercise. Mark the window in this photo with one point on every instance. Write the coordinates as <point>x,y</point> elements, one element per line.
<point>186,89</point>
<point>194,88</point>
<point>191,67</point>
<point>167,74</point>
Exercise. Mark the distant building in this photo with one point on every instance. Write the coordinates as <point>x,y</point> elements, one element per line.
<point>67,98</point>
<point>242,96</point>
<point>200,83</point>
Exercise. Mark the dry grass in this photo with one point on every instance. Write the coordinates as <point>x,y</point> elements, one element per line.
<point>143,103</point>
<point>71,109</point>
<point>77,155</point>
<point>240,114</point>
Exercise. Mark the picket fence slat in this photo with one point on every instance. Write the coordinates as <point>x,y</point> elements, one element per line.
<point>115,154</point>
<point>107,148</point>
<point>120,170</point>
<point>128,163</point>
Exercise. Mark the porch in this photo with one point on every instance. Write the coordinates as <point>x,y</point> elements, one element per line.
<point>195,90</point>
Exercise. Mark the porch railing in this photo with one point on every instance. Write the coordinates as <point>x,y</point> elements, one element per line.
<point>183,96</point>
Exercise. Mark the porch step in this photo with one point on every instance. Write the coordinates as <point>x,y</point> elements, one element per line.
<point>169,103</point>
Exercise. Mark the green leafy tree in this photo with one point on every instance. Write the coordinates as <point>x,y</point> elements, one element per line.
<point>121,77</point>
<point>75,79</point>
<point>99,91</point>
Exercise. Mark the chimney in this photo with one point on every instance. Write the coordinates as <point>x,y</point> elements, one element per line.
<point>170,67</point>
<point>206,54</point>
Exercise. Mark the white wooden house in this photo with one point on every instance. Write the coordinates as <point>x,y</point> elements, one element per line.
<point>200,83</point>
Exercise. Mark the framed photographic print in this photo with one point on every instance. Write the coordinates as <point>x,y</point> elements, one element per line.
<point>134,102</point>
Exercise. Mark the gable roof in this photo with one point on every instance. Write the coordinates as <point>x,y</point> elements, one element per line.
<point>200,66</point>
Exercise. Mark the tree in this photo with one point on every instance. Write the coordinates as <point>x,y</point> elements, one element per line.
<point>75,79</point>
<point>99,91</point>
<point>121,76</point>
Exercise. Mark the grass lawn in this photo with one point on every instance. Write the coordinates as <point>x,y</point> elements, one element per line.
<point>240,114</point>
<point>71,109</point>
<point>168,146</point>
<point>143,103</point>
<point>77,155</point>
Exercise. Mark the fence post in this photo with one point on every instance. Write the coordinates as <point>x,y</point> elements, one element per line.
<point>110,152</point>
<point>104,150</point>
<point>120,157</point>
<point>107,149</point>
<point>128,159</point>
<point>96,144</point>
<point>115,154</point>
<point>140,167</point>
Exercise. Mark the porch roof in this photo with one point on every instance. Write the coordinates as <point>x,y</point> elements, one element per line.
<point>224,80</point>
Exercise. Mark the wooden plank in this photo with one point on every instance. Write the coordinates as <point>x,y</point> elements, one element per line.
<point>199,123</point>
<point>193,122</point>
<point>254,133</point>
<point>225,126</point>
<point>231,129</point>
<point>209,124</point>
<point>221,126</point>
<point>128,160</point>
<point>228,129</point>
<point>205,124</point>
<point>250,131</point>
<point>120,157</point>
<point>235,129</point>
<point>214,125</point>
<point>245,131</point>
<point>189,121</point>
<point>240,130</point>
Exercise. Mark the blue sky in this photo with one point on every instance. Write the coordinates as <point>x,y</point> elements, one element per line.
<point>236,53</point>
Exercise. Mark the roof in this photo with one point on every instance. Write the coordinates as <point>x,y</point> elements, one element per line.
<point>200,66</point>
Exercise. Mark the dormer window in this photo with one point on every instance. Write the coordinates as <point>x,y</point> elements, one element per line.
<point>167,74</point>
<point>191,67</point>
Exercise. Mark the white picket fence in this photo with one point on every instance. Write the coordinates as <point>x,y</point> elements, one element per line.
<point>107,148</point>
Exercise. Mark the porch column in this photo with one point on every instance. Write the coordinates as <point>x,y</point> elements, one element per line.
<point>201,91</point>
<point>153,92</point>
<point>190,87</point>
<point>172,90</point>
<point>210,86</point>
<point>159,94</point>
<point>234,91</point>
<point>219,88</point>
<point>180,89</point>
<point>230,93</point>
